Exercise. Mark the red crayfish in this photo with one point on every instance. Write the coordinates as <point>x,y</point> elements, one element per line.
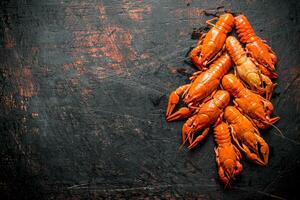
<point>211,43</point>
<point>247,70</point>
<point>258,49</point>
<point>227,155</point>
<point>246,136</point>
<point>251,104</point>
<point>207,114</point>
<point>203,85</point>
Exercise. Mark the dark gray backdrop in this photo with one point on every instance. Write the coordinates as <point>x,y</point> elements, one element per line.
<point>84,87</point>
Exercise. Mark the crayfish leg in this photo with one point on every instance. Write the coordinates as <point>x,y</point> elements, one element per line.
<point>267,72</point>
<point>267,69</point>
<point>272,53</point>
<point>195,75</point>
<point>274,120</point>
<point>234,138</point>
<point>267,105</point>
<point>270,86</point>
<point>201,38</point>
<point>186,129</point>
<point>209,22</point>
<point>237,152</point>
<point>206,99</point>
<point>216,56</point>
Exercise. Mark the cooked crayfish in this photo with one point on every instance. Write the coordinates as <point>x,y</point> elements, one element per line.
<point>249,103</point>
<point>207,114</point>
<point>261,53</point>
<point>227,155</point>
<point>211,43</point>
<point>247,70</point>
<point>203,84</point>
<point>246,136</point>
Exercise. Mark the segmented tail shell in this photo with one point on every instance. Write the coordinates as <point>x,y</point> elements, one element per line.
<point>226,21</point>
<point>221,99</point>
<point>234,48</point>
<point>244,29</point>
<point>222,134</point>
<point>221,66</point>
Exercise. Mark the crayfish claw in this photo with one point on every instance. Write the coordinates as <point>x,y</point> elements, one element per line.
<point>173,101</point>
<point>263,149</point>
<point>231,170</point>
<point>199,139</point>
<point>196,58</point>
<point>180,114</point>
<point>252,156</point>
<point>222,175</point>
<point>259,155</point>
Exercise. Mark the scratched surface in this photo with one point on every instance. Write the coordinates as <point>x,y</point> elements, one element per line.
<point>84,87</point>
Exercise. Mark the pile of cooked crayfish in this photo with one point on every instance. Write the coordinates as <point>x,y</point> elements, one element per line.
<point>230,92</point>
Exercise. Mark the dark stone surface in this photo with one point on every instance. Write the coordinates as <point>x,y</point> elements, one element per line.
<point>84,88</point>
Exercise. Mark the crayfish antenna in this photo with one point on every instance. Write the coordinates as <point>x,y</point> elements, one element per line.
<point>280,132</point>
<point>227,185</point>
<point>181,146</point>
<point>282,135</point>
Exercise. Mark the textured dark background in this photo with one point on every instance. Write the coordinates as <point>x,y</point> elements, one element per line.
<point>84,87</point>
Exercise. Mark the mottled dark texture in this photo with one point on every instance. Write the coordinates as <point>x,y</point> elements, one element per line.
<point>84,88</point>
